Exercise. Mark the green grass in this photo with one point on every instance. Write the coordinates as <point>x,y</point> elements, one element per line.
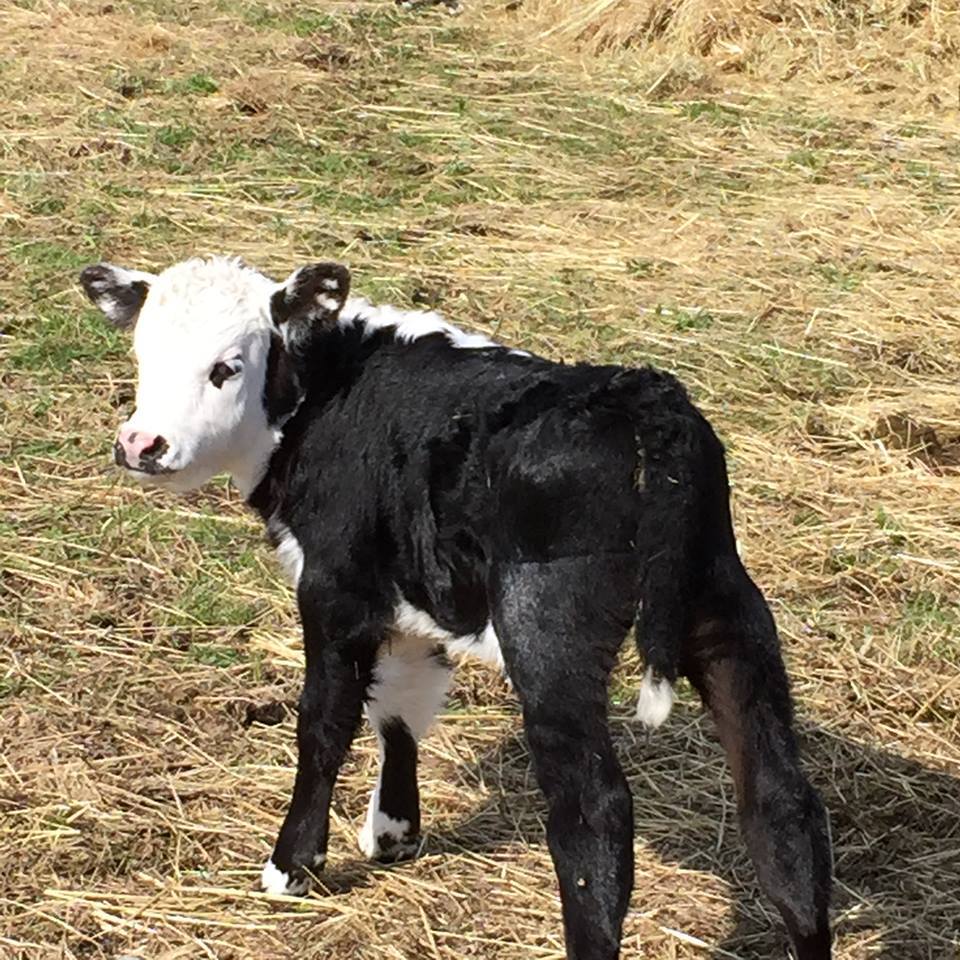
<point>708,110</point>
<point>681,320</point>
<point>63,343</point>
<point>200,84</point>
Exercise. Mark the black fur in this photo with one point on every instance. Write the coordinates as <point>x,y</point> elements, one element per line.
<point>562,503</point>
<point>399,796</point>
<point>281,390</point>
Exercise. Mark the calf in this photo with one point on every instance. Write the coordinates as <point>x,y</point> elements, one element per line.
<point>432,493</point>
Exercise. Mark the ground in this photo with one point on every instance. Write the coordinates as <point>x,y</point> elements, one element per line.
<point>764,204</point>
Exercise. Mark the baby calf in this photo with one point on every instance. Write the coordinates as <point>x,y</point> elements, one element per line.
<point>432,493</point>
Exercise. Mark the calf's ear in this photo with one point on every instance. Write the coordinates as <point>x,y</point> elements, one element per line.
<point>119,293</point>
<point>311,298</point>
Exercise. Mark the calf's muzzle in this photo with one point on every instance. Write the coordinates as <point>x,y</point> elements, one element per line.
<point>138,450</point>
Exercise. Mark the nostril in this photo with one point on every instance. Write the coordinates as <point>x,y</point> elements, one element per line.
<point>157,448</point>
<point>119,454</point>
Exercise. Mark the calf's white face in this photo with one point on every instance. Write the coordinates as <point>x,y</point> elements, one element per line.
<point>214,377</point>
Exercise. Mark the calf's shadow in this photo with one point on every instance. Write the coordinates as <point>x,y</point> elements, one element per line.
<point>895,825</point>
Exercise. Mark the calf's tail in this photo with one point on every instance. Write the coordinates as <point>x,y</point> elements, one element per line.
<point>684,526</point>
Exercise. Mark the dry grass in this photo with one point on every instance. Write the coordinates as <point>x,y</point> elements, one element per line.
<point>778,226</point>
<point>895,53</point>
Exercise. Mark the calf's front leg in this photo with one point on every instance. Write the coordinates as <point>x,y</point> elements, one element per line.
<point>339,664</point>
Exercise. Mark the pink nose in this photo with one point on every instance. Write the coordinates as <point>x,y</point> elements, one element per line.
<point>139,445</point>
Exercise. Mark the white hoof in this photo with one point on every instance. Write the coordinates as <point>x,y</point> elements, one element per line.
<point>383,838</point>
<point>281,884</point>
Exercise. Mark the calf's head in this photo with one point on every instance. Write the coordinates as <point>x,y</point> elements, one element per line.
<point>216,374</point>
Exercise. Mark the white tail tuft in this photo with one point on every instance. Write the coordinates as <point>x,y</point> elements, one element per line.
<point>655,701</point>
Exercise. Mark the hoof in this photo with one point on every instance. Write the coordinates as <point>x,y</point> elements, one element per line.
<point>293,884</point>
<point>385,840</point>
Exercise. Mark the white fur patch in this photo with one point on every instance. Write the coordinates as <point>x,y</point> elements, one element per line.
<point>328,303</point>
<point>409,619</point>
<point>289,554</point>
<point>655,701</point>
<point>410,683</point>
<point>198,313</point>
<point>410,324</point>
<point>483,646</point>
<point>376,825</point>
<point>279,884</point>
<point>111,307</point>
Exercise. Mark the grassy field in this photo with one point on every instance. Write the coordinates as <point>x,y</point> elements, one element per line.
<point>760,197</point>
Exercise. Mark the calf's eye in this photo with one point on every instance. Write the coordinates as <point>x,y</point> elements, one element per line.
<point>222,371</point>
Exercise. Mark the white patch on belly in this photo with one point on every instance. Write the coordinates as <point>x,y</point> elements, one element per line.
<point>289,553</point>
<point>408,619</point>
<point>484,645</point>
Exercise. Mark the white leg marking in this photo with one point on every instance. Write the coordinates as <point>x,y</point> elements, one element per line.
<point>280,884</point>
<point>655,701</point>
<point>410,683</point>
<point>377,824</point>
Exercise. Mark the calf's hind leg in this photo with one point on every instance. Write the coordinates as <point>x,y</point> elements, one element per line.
<point>559,650</point>
<point>733,658</point>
